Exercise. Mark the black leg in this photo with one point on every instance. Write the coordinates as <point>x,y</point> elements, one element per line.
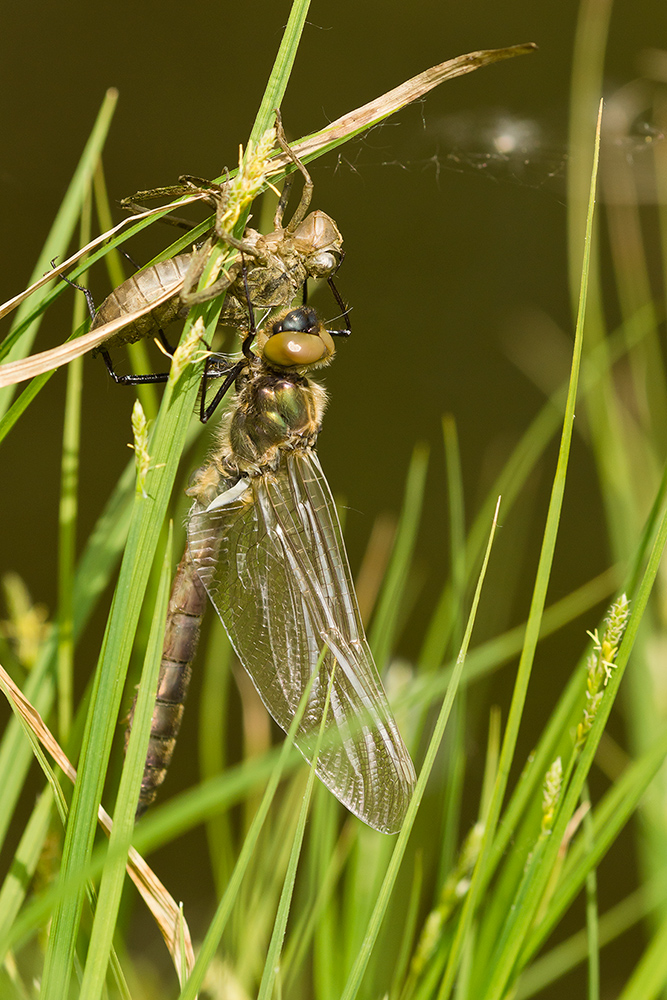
<point>252,329</point>
<point>137,267</point>
<point>86,291</point>
<point>206,412</point>
<point>148,379</point>
<point>165,343</point>
<point>345,312</point>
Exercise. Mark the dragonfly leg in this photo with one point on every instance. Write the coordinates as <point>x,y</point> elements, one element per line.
<point>86,291</point>
<point>207,411</point>
<point>134,203</point>
<point>127,256</point>
<point>345,312</point>
<point>190,295</point>
<point>307,192</point>
<point>165,343</point>
<point>148,379</point>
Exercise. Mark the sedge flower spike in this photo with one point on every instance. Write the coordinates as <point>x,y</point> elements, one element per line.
<point>601,663</point>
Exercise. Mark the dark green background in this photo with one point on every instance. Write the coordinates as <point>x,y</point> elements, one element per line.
<point>455,258</point>
<point>447,247</point>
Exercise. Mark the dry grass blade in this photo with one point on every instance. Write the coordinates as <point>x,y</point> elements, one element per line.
<point>37,364</point>
<point>391,102</point>
<point>167,914</point>
<point>16,301</point>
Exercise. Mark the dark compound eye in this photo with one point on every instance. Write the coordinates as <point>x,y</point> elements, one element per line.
<point>302,320</point>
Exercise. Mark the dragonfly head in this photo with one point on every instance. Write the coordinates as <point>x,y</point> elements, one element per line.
<point>296,341</point>
<point>318,239</point>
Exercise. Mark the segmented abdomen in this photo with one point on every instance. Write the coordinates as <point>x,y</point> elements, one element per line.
<point>138,291</point>
<point>184,614</point>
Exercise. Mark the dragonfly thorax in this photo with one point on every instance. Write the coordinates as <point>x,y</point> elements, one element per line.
<point>274,413</point>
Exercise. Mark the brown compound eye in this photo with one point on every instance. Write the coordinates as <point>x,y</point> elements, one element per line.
<point>287,349</point>
<point>297,340</point>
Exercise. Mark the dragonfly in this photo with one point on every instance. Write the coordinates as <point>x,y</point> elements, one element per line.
<point>282,261</point>
<point>264,545</point>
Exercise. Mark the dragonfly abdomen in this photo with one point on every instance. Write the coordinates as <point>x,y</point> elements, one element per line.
<point>140,290</point>
<point>184,615</point>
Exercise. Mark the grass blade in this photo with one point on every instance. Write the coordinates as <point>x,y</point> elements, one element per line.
<point>121,835</point>
<point>61,230</point>
<point>356,975</point>
<point>531,638</point>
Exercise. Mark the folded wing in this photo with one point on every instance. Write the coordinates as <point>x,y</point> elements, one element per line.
<point>271,556</point>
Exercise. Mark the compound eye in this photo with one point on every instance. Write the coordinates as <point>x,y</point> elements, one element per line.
<point>321,265</point>
<point>288,350</point>
<point>298,321</point>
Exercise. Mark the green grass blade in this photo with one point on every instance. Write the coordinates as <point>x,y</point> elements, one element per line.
<point>454,774</point>
<point>219,922</point>
<point>329,852</point>
<point>356,975</point>
<point>587,84</point>
<point>24,863</point>
<point>383,632</point>
<point>271,965</point>
<point>592,915</point>
<point>113,876</point>
<point>410,925</point>
<point>213,716</point>
<point>148,515</point>
<point>282,68</point>
<point>59,235</point>
<point>67,517</point>
<point>457,516</point>
<point>532,629</point>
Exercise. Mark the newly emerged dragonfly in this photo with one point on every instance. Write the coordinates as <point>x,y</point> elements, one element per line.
<point>265,545</point>
<point>280,264</point>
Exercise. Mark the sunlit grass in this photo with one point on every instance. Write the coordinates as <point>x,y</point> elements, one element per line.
<point>312,903</point>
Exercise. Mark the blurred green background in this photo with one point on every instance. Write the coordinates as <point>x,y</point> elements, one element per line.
<point>453,216</point>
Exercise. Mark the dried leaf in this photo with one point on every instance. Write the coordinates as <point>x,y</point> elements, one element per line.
<point>167,914</point>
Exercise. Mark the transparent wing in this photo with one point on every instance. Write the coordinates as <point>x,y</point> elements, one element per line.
<point>271,556</point>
